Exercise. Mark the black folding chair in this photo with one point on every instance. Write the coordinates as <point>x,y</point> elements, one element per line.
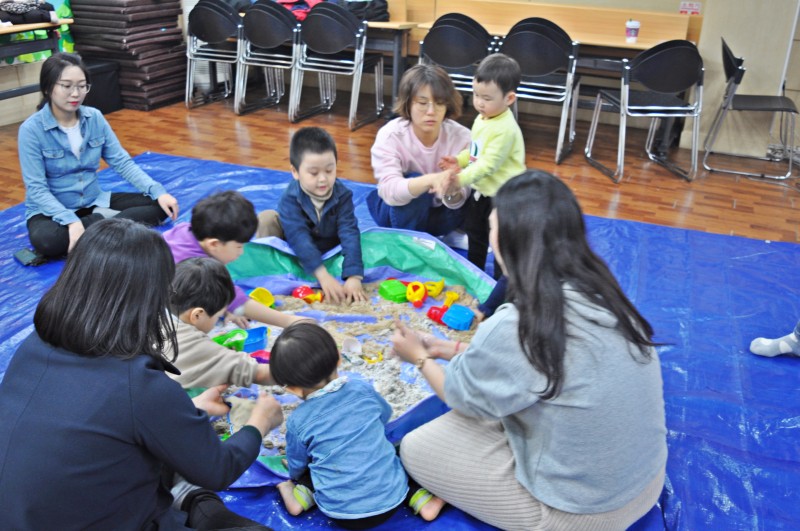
<point>457,43</point>
<point>271,39</point>
<point>734,72</point>
<point>215,35</point>
<point>547,57</point>
<point>328,34</point>
<point>668,72</point>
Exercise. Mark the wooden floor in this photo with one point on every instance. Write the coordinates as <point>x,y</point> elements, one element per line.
<point>716,202</point>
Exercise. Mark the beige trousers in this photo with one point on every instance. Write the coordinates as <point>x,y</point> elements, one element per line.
<point>468,463</point>
<point>269,224</point>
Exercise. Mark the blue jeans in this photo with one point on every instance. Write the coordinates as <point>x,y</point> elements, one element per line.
<point>419,215</point>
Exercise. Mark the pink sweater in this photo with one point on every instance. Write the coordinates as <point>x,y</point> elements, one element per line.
<point>397,152</point>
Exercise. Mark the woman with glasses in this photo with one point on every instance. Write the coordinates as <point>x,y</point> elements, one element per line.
<point>407,153</point>
<point>60,148</point>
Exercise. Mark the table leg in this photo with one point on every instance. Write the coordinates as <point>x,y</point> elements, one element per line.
<point>398,64</point>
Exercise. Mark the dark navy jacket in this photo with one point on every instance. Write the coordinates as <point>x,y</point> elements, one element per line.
<point>84,442</point>
<point>310,239</point>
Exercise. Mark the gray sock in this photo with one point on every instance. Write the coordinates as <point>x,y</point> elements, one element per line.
<point>788,344</point>
<point>105,212</point>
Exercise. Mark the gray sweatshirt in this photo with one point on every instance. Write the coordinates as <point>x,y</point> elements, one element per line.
<point>596,445</point>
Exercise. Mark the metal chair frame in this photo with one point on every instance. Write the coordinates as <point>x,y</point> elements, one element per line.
<point>668,69</point>
<point>266,32</point>
<point>734,72</point>
<point>328,58</point>
<point>549,77</point>
<point>212,44</point>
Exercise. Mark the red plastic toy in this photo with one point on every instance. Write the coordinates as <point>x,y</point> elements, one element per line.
<point>307,294</point>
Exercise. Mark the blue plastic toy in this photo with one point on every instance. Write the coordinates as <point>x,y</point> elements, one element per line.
<point>458,317</point>
<point>256,339</point>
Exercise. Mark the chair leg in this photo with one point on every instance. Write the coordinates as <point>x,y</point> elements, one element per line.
<point>623,127</point>
<point>689,174</point>
<point>788,146</point>
<point>240,88</point>
<point>351,121</point>
<point>568,110</point>
<point>189,96</point>
<point>587,152</point>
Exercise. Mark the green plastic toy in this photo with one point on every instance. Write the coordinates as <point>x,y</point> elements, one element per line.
<point>393,290</point>
<point>233,340</point>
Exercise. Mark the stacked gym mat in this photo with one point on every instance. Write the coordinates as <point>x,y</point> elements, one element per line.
<point>144,38</point>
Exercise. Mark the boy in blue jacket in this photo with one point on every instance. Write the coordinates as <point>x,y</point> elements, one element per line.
<point>316,213</point>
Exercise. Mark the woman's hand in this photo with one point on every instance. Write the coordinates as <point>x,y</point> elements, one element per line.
<point>267,414</point>
<point>211,401</point>
<point>438,347</point>
<point>169,205</point>
<point>449,163</point>
<point>75,231</point>
<point>407,344</point>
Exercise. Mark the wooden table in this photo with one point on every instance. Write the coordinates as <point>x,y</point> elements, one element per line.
<point>15,48</point>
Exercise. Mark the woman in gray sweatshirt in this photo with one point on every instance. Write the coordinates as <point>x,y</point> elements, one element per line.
<point>557,417</point>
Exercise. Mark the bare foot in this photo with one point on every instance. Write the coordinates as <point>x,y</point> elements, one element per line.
<point>287,494</point>
<point>432,509</point>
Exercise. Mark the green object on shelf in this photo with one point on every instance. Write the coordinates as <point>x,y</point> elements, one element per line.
<point>233,340</point>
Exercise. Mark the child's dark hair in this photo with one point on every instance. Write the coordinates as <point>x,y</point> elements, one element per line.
<point>52,70</point>
<point>501,70</point>
<point>227,216</point>
<point>201,283</point>
<point>313,139</point>
<point>303,355</point>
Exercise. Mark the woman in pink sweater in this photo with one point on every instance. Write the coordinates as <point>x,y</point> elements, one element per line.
<point>407,152</point>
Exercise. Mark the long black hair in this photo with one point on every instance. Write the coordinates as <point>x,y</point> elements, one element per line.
<point>542,240</point>
<point>51,73</point>
<point>112,297</point>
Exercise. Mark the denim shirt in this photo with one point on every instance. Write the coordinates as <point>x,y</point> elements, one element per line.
<point>56,182</point>
<point>339,437</point>
<point>309,237</point>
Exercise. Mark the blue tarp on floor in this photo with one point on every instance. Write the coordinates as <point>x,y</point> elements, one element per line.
<point>733,418</point>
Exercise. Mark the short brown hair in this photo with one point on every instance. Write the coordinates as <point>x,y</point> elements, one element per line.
<point>501,70</point>
<point>419,76</point>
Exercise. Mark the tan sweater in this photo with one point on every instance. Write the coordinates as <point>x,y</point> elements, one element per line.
<point>204,363</point>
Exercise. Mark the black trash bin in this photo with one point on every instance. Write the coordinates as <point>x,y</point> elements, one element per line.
<point>105,95</point>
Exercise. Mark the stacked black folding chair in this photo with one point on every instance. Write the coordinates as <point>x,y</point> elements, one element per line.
<point>144,38</point>
<point>547,57</point>
<point>457,43</point>
<point>271,39</point>
<point>328,34</point>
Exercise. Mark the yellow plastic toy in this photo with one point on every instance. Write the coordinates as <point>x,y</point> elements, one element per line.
<point>263,296</point>
<point>434,288</point>
<point>416,293</point>
<point>449,298</point>
<point>373,359</point>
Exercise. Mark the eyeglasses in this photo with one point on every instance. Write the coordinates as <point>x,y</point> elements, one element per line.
<point>426,104</point>
<point>69,88</point>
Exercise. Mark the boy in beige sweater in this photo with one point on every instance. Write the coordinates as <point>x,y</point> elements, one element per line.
<point>201,291</point>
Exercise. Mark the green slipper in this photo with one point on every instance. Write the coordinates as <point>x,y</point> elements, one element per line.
<point>304,497</point>
<point>419,500</point>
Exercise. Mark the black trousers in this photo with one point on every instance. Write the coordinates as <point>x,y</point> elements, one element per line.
<point>476,225</point>
<point>52,239</point>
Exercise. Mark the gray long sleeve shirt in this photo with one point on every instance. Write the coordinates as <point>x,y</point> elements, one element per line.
<point>596,445</point>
